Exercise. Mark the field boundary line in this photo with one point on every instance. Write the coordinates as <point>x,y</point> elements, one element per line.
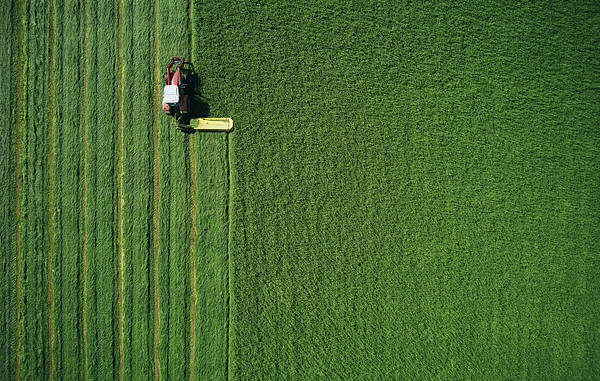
<point>156,195</point>
<point>18,101</point>
<point>228,214</point>
<point>84,197</point>
<point>193,294</point>
<point>120,191</point>
<point>50,194</point>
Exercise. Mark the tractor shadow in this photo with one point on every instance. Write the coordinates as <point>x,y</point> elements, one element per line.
<point>198,107</point>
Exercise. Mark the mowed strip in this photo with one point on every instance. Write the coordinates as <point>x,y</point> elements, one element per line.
<point>10,102</point>
<point>67,168</point>
<point>101,187</point>
<point>137,182</point>
<point>174,209</point>
<point>211,201</point>
<point>33,196</point>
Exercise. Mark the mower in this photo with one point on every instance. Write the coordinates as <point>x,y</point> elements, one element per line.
<point>177,99</point>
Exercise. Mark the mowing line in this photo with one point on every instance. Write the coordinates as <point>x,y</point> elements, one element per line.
<point>227,211</point>
<point>193,295</point>
<point>120,191</point>
<point>84,197</point>
<point>18,189</point>
<point>192,265</point>
<point>50,196</point>
<point>156,194</point>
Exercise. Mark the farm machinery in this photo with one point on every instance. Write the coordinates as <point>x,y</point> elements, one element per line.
<point>180,81</point>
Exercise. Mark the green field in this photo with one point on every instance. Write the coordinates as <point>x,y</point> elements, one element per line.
<point>412,191</point>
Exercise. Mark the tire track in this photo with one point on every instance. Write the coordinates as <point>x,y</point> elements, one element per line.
<point>50,195</point>
<point>156,194</point>
<point>120,192</point>
<point>18,127</point>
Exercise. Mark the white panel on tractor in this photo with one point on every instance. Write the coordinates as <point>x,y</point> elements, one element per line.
<point>171,94</point>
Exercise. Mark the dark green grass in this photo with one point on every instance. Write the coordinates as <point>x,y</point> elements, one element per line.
<point>101,187</point>
<point>414,188</point>
<point>210,154</point>
<point>33,196</point>
<point>138,103</point>
<point>8,101</point>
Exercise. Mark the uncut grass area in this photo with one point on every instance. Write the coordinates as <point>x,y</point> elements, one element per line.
<point>415,188</point>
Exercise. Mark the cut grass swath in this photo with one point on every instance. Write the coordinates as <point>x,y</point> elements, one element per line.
<point>138,103</point>
<point>67,167</point>
<point>174,210</point>
<point>10,103</point>
<point>101,187</point>
<point>33,197</point>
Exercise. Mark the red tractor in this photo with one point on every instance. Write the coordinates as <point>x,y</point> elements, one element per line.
<point>179,85</point>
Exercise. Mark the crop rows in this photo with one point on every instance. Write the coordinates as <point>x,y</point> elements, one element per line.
<point>103,194</point>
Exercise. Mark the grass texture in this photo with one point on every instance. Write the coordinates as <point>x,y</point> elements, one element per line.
<point>32,319</point>
<point>9,25</point>
<point>174,208</point>
<point>414,187</point>
<point>67,169</point>
<point>91,187</point>
<point>101,126</point>
<point>138,103</point>
<point>210,155</point>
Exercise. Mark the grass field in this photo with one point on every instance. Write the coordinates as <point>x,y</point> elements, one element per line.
<point>411,191</point>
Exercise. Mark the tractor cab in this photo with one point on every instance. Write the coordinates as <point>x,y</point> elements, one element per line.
<point>171,95</point>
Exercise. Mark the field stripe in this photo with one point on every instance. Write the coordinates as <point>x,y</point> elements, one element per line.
<point>193,296</point>
<point>102,200</point>
<point>192,276</point>
<point>229,234</point>
<point>50,190</point>
<point>84,258</point>
<point>120,190</point>
<point>156,197</point>
<point>174,209</point>
<point>210,171</point>
<point>33,195</point>
<point>137,182</point>
<point>18,111</point>
<point>65,167</point>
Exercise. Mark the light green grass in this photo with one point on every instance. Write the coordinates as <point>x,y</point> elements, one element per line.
<point>101,187</point>
<point>415,187</point>
<point>138,278</point>
<point>174,207</point>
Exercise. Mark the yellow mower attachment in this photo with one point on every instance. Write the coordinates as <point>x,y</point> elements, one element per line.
<point>208,124</point>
